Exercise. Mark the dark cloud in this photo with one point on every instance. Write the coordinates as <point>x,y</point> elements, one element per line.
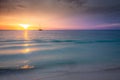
<point>8,6</point>
<point>63,6</point>
<point>3,1</point>
<point>77,3</point>
<point>103,7</point>
<point>53,5</point>
<point>94,6</point>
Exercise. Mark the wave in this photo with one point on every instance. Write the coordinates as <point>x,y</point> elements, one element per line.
<point>64,68</point>
<point>16,44</point>
<point>112,69</point>
<point>13,70</point>
<point>84,41</point>
<point>60,41</point>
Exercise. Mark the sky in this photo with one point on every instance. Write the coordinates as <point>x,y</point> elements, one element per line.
<point>60,14</point>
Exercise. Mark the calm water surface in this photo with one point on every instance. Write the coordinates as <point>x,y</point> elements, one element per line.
<point>85,53</point>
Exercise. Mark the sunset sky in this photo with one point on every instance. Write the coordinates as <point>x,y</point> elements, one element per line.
<point>59,14</point>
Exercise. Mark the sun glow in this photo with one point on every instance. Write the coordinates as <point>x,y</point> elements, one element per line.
<point>25,26</point>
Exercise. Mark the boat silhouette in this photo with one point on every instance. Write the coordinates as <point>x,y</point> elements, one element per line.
<point>40,29</point>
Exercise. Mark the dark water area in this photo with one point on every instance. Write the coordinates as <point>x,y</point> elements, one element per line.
<point>60,55</point>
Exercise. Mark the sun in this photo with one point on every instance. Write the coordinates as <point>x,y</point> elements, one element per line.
<point>25,26</point>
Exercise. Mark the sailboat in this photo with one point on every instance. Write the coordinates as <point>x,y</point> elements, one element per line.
<point>40,29</point>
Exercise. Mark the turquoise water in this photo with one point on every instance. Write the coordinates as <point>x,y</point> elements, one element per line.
<point>51,51</point>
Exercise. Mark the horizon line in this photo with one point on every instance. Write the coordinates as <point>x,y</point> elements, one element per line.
<point>58,29</point>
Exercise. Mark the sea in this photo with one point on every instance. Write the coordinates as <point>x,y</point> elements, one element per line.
<point>60,55</point>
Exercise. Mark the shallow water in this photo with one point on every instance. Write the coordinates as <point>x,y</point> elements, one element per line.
<point>37,55</point>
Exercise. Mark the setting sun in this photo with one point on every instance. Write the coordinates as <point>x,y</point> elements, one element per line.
<point>25,26</point>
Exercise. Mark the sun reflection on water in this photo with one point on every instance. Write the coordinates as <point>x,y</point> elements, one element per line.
<point>26,37</point>
<point>26,45</point>
<point>26,50</point>
<point>26,67</point>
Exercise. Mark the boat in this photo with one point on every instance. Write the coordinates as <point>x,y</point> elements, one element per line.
<point>40,30</point>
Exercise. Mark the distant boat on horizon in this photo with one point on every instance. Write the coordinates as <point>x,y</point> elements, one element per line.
<point>40,29</point>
